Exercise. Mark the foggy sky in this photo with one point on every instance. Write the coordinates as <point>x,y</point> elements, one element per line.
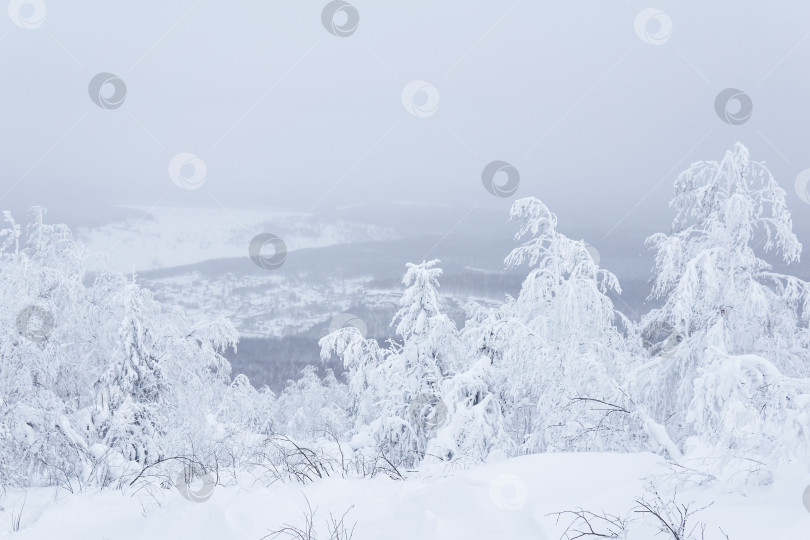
<point>286,115</point>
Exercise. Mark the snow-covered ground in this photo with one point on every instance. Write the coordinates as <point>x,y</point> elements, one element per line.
<point>509,500</point>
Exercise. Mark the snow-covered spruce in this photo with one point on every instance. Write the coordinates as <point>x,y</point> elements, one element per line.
<point>397,391</point>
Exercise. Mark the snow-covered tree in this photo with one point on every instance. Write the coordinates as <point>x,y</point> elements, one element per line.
<point>131,391</point>
<point>40,370</point>
<point>473,431</point>
<point>312,407</point>
<point>738,380</point>
<point>428,353</point>
<point>364,362</point>
<point>243,407</point>
<point>555,348</point>
<point>396,390</point>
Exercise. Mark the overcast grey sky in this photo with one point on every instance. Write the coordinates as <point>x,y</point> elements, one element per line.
<point>284,114</point>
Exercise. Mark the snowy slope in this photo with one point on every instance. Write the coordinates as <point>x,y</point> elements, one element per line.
<point>164,237</point>
<point>509,500</point>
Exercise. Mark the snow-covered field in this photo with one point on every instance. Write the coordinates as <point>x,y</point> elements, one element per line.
<point>513,499</point>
